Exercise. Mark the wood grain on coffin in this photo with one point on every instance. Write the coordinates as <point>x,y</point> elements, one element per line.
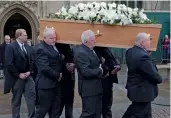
<point>70,31</point>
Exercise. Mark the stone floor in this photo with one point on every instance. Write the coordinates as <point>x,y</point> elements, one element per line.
<point>161,105</point>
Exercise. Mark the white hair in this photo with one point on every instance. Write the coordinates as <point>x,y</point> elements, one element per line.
<point>86,35</point>
<point>140,37</point>
<point>47,31</point>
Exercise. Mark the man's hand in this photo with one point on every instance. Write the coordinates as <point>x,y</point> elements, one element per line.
<point>106,75</point>
<point>60,77</point>
<point>103,60</point>
<point>23,76</point>
<point>27,74</point>
<point>63,57</point>
<point>114,71</point>
<point>70,67</point>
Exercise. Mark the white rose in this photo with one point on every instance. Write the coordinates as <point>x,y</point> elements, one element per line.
<point>135,13</point>
<point>143,16</point>
<point>92,14</point>
<point>104,20</point>
<point>119,7</point>
<point>129,10</point>
<point>136,9</point>
<point>63,11</point>
<point>110,6</point>
<point>89,5</point>
<point>103,4</point>
<point>142,10</point>
<point>102,12</point>
<point>124,7</point>
<point>73,10</point>
<point>114,5</point>
<point>81,6</point>
<point>96,5</point>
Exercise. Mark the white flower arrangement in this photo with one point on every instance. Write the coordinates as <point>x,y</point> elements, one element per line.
<point>102,12</point>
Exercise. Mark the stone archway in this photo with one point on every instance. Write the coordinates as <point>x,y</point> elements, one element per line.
<point>24,11</point>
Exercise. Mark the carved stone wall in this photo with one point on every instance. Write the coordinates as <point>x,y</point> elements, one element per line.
<point>29,9</point>
<point>32,5</point>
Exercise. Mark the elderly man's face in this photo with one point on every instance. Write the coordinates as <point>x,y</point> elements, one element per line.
<point>51,38</point>
<point>91,42</point>
<point>166,36</point>
<point>7,40</point>
<point>146,44</point>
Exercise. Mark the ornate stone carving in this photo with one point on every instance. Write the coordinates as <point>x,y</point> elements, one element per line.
<point>3,5</point>
<point>32,5</point>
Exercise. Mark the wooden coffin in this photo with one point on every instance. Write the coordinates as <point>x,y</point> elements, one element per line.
<point>69,32</point>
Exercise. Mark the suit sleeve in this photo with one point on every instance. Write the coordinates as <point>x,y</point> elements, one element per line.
<point>31,60</point>
<point>9,61</point>
<point>83,65</point>
<point>0,54</point>
<point>43,65</point>
<point>148,68</point>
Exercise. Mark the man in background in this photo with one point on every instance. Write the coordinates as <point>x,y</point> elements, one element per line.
<point>18,69</point>
<point>68,79</point>
<point>7,40</point>
<point>112,65</point>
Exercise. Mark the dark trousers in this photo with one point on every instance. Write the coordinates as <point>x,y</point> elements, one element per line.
<point>138,110</point>
<point>67,98</point>
<point>92,107</point>
<point>48,102</point>
<point>107,98</point>
<point>26,87</point>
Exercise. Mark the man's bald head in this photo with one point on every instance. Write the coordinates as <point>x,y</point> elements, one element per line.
<point>143,40</point>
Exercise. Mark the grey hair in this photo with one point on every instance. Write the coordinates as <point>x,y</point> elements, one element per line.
<point>47,31</point>
<point>86,35</point>
<point>140,37</point>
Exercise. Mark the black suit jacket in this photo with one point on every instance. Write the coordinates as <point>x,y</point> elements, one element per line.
<point>49,66</point>
<point>89,73</point>
<point>33,53</point>
<point>142,76</point>
<point>65,50</point>
<point>2,55</point>
<point>15,63</point>
<point>68,78</point>
<point>110,61</point>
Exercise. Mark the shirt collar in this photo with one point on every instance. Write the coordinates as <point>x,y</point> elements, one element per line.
<point>141,47</point>
<point>20,44</point>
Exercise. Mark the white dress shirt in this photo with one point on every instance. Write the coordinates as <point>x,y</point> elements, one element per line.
<point>20,44</point>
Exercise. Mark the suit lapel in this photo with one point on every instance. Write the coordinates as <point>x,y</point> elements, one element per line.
<point>28,52</point>
<point>91,52</point>
<point>19,49</point>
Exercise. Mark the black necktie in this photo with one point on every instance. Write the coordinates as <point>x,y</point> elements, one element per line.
<point>24,50</point>
<point>54,48</point>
